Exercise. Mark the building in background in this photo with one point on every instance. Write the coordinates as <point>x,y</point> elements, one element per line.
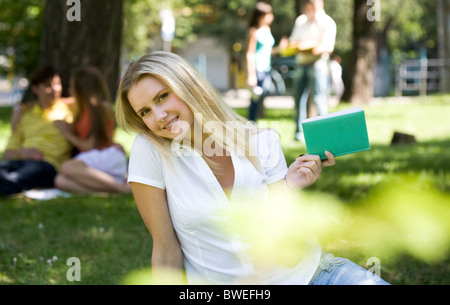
<point>211,59</point>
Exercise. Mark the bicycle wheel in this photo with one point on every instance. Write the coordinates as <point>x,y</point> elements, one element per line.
<point>277,85</point>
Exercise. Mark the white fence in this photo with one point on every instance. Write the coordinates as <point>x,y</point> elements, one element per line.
<point>422,76</point>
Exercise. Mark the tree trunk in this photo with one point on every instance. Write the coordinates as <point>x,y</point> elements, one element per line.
<point>298,7</point>
<point>94,40</point>
<point>443,13</point>
<point>359,84</point>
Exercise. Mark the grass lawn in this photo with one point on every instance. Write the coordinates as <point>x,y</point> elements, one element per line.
<point>108,236</point>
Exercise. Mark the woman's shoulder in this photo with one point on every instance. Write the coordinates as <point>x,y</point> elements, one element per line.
<point>146,165</point>
<point>141,140</point>
<point>143,145</point>
<point>252,30</point>
<point>143,150</point>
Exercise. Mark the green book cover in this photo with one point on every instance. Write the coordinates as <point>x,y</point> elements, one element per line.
<point>341,133</point>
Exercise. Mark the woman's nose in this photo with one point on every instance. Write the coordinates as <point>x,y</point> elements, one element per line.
<point>160,114</point>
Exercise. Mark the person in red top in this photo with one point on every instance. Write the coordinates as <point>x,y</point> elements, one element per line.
<point>101,164</point>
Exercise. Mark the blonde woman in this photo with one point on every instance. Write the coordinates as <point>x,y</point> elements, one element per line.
<point>191,158</point>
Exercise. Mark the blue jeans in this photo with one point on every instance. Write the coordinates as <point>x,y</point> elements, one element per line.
<point>257,101</point>
<point>20,175</point>
<point>341,271</point>
<point>311,79</point>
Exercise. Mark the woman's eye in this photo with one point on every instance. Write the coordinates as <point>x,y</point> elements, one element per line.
<point>163,96</point>
<point>144,113</point>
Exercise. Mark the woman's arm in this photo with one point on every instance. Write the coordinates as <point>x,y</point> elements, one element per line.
<point>152,206</point>
<point>284,43</point>
<point>16,116</point>
<point>66,130</point>
<point>251,49</point>
<point>23,154</point>
<point>303,172</point>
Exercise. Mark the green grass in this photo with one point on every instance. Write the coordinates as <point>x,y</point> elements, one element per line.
<point>108,236</point>
<point>105,233</point>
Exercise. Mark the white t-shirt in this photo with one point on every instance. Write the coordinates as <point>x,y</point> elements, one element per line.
<point>263,52</point>
<point>321,31</point>
<point>196,199</point>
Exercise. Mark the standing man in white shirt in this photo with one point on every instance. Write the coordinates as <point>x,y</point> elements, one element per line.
<point>314,36</point>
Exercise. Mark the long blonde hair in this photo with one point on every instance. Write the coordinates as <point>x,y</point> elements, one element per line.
<point>198,94</point>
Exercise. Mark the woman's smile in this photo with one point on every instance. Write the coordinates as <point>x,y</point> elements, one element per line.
<point>160,109</point>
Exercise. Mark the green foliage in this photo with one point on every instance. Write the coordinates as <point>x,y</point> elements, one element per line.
<point>405,216</point>
<point>342,13</point>
<point>412,24</point>
<point>20,32</point>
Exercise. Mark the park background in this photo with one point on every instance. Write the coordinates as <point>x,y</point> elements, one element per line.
<point>395,58</point>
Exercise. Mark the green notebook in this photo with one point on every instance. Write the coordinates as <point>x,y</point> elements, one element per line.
<point>341,133</point>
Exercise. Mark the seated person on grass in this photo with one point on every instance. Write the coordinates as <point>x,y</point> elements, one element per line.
<point>101,164</point>
<point>36,150</point>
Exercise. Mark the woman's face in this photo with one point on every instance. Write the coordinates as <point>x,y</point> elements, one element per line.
<point>160,109</point>
<point>268,18</point>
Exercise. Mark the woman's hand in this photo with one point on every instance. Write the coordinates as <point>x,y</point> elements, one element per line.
<point>306,169</point>
<point>64,127</point>
<point>252,81</point>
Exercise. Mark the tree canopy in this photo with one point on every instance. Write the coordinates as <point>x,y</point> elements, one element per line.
<point>410,25</point>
